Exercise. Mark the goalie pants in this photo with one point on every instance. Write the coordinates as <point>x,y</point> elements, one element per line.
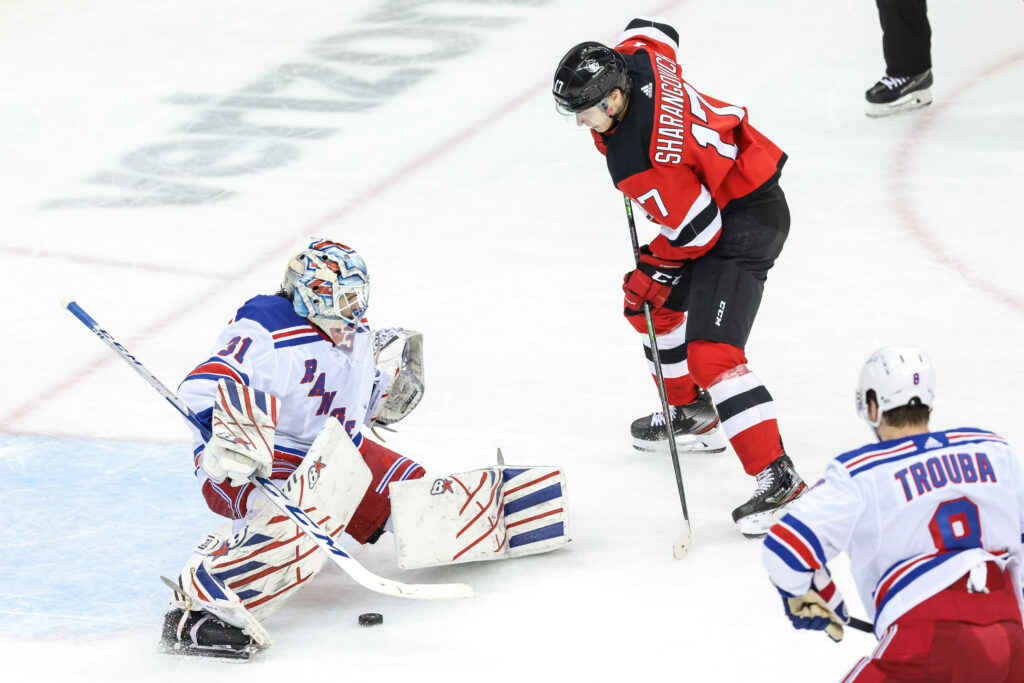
<point>953,637</point>
<point>703,327</point>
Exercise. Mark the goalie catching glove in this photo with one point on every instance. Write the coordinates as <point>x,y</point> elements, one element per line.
<point>243,424</point>
<point>652,280</point>
<point>819,609</point>
<point>399,387</point>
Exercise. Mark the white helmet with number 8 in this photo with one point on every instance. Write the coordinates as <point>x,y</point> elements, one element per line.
<point>897,375</point>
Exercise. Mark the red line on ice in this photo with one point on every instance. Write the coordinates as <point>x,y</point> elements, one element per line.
<point>901,181</point>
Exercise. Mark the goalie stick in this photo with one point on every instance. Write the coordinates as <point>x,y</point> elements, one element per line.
<point>682,543</point>
<point>348,564</point>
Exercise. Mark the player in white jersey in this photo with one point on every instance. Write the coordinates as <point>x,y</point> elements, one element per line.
<point>282,368</point>
<point>932,523</point>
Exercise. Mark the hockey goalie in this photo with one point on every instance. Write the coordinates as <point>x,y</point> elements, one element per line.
<point>286,393</point>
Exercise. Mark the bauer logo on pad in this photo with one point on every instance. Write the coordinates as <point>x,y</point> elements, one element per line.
<point>313,474</point>
<point>441,486</point>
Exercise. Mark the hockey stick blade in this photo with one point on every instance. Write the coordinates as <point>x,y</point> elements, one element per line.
<point>358,572</point>
<point>682,543</point>
<point>346,562</point>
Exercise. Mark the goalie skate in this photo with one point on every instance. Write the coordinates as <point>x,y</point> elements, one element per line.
<point>202,634</point>
<point>695,426</point>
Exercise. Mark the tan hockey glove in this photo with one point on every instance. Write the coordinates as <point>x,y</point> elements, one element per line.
<point>810,611</point>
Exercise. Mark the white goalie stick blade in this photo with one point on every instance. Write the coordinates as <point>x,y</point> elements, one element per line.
<point>361,575</point>
<point>333,436</point>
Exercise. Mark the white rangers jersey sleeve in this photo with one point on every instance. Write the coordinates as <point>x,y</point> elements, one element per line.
<point>271,348</point>
<point>913,514</point>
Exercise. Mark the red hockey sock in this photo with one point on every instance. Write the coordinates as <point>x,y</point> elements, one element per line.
<point>744,404</point>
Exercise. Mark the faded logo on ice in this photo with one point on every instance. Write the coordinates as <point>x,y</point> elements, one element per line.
<point>262,125</point>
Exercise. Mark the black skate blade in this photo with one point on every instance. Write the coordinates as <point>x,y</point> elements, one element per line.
<point>211,652</point>
<point>203,635</point>
<point>909,102</point>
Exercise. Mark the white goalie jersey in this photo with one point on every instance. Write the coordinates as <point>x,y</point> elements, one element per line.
<point>913,514</point>
<point>271,348</point>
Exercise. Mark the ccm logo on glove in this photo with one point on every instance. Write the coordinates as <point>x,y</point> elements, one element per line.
<point>651,281</point>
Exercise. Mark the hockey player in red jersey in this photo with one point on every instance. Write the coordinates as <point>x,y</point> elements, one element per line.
<point>709,180</point>
<point>932,524</point>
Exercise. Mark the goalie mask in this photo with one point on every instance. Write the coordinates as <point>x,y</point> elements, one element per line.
<point>328,284</point>
<point>898,376</point>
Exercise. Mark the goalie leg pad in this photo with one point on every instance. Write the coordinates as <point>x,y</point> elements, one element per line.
<point>252,571</point>
<point>535,510</point>
<point>249,574</point>
<point>487,514</point>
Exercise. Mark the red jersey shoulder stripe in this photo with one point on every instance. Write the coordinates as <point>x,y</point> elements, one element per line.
<point>292,331</point>
<point>214,368</point>
<point>901,449</point>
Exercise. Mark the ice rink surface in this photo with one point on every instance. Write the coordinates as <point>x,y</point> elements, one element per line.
<point>160,160</point>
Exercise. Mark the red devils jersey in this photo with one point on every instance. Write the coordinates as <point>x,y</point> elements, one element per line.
<point>680,154</point>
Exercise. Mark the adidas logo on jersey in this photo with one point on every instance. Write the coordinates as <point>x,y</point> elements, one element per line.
<point>932,442</point>
<point>648,90</point>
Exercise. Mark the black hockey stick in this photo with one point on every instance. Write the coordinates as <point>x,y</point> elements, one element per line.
<point>682,544</point>
<point>861,625</point>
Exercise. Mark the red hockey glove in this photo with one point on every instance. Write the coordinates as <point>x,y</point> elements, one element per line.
<point>652,281</point>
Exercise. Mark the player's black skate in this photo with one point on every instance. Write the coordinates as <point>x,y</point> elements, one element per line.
<point>893,94</point>
<point>204,635</point>
<point>695,426</point>
<point>777,485</point>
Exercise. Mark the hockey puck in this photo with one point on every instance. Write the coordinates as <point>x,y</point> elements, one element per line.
<point>370,619</point>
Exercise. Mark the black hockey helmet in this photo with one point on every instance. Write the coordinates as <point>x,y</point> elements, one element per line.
<point>586,75</point>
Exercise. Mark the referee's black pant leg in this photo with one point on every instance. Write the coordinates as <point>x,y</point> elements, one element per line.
<point>906,36</point>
